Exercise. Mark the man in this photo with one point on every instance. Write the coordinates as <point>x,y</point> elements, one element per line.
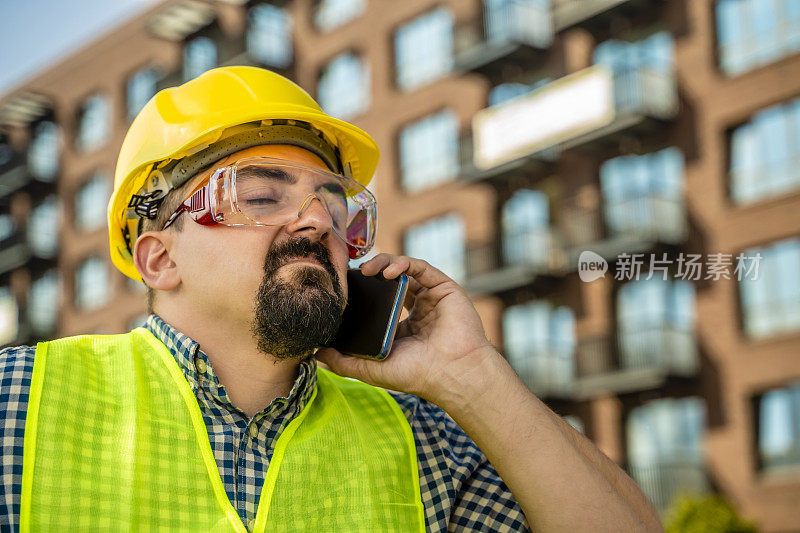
<point>238,203</point>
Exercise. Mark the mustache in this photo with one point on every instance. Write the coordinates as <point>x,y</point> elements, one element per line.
<point>300,247</point>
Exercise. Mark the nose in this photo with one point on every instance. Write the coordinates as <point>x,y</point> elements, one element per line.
<point>312,218</point>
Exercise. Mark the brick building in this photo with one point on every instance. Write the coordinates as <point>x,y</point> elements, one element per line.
<point>516,134</point>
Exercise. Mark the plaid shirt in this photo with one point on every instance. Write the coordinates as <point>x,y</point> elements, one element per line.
<point>460,488</point>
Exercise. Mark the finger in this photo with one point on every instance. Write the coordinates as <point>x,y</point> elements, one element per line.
<point>376,264</point>
<point>427,275</point>
<point>404,329</point>
<point>414,289</point>
<point>347,366</point>
<point>398,265</point>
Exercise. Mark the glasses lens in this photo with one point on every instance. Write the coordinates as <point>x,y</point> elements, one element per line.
<point>272,194</point>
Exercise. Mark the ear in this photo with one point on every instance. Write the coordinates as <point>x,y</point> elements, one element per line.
<point>152,260</point>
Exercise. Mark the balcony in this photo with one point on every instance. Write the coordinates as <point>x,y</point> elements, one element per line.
<point>526,168</point>
<point>665,479</point>
<point>13,176</point>
<point>632,361</point>
<point>591,13</point>
<point>634,225</point>
<point>518,260</point>
<point>16,251</point>
<point>547,374</point>
<point>595,104</point>
<point>516,32</point>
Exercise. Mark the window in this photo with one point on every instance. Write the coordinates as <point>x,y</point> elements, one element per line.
<point>751,33</point>
<point>141,87</point>
<point>643,194</point>
<point>199,56</point>
<point>44,151</point>
<point>429,151</point>
<point>665,448</point>
<point>539,344</point>
<point>765,154</point>
<point>43,303</point>
<point>654,53</point>
<point>771,301</point>
<point>779,428</point>
<point>43,228</point>
<point>9,317</point>
<point>440,242</point>
<point>94,123</point>
<point>424,49</point>
<point>91,203</point>
<point>269,36</point>
<point>526,228</point>
<point>655,321</point>
<point>331,14</point>
<point>92,284</point>
<point>344,87</point>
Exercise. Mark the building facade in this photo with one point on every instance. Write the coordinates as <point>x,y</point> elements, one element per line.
<point>525,145</point>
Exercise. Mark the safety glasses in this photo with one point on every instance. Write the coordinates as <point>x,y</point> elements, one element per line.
<point>266,191</point>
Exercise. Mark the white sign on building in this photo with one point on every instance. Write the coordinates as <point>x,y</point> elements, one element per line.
<point>561,110</point>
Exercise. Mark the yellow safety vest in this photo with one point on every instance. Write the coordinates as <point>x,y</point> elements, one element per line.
<point>115,441</point>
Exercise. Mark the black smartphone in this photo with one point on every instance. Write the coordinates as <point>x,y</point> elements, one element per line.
<point>369,323</point>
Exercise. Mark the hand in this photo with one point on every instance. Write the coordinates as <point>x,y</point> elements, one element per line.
<point>438,348</point>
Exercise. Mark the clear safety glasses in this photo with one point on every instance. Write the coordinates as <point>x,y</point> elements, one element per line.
<point>265,191</point>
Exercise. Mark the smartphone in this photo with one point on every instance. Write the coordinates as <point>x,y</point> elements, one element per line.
<point>369,323</point>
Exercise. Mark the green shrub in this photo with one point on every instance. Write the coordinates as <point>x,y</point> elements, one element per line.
<point>705,514</point>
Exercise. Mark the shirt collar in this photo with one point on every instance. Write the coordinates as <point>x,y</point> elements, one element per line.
<point>192,360</point>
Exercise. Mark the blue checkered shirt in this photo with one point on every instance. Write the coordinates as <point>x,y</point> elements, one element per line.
<point>460,489</point>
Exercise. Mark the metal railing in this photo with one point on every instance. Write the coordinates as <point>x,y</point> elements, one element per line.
<point>545,373</point>
<point>663,481</point>
<point>645,91</point>
<point>648,217</point>
<point>672,350</point>
<point>538,250</point>
<point>524,21</point>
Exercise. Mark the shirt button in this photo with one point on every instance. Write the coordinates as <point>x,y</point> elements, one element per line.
<point>251,524</point>
<point>201,366</point>
<point>253,431</point>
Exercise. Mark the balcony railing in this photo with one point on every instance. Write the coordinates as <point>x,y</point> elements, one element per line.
<point>635,225</point>
<point>521,21</point>
<point>568,13</point>
<point>547,374</point>
<point>13,176</point>
<point>527,168</point>
<point>515,31</point>
<point>14,252</point>
<point>635,360</point>
<point>514,261</point>
<point>595,103</point>
<point>663,481</point>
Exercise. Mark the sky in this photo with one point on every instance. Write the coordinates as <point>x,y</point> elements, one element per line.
<point>36,33</point>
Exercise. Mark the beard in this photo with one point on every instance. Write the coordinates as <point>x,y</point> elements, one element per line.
<point>293,316</point>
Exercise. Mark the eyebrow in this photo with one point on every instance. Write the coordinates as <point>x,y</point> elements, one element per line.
<point>265,172</point>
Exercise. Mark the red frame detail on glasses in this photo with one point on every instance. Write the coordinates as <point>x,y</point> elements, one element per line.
<point>197,205</point>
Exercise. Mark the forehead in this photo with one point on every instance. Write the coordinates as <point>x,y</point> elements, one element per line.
<point>287,152</point>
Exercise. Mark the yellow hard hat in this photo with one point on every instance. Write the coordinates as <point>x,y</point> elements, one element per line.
<point>179,121</point>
